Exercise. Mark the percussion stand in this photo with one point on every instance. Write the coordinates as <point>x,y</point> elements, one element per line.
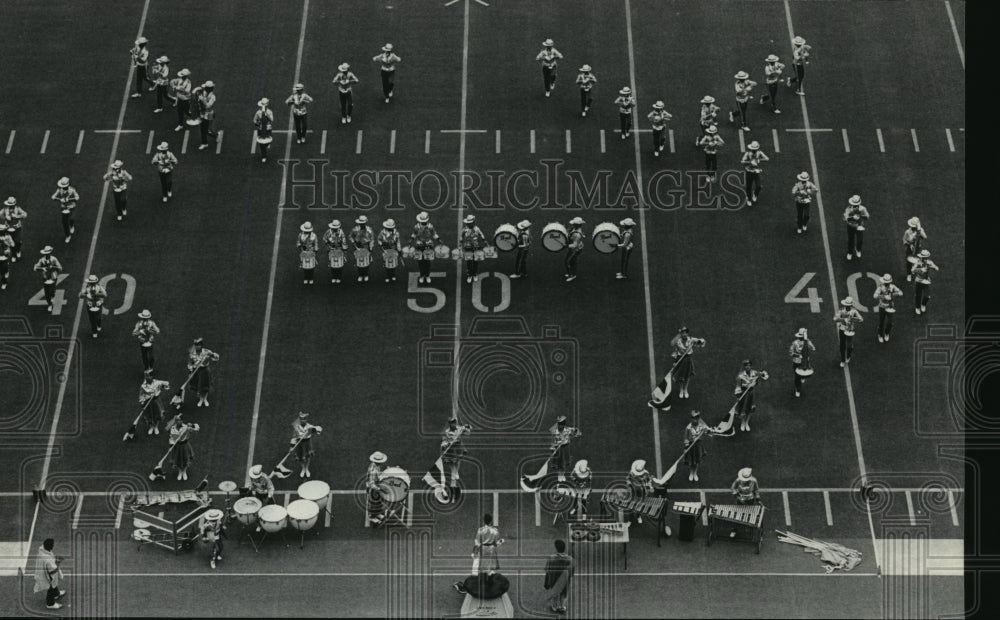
<point>397,510</point>
<point>284,537</point>
<point>248,533</point>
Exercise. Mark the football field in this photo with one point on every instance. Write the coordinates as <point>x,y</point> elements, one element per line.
<point>382,366</point>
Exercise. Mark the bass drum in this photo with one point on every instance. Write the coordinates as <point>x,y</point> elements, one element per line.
<point>607,236</point>
<point>554,237</point>
<point>505,237</point>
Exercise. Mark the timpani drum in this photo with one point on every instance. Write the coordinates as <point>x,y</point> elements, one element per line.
<point>554,237</point>
<point>505,237</point>
<point>394,484</point>
<point>246,509</point>
<point>273,518</point>
<point>302,514</point>
<point>441,251</point>
<point>607,236</point>
<point>314,491</point>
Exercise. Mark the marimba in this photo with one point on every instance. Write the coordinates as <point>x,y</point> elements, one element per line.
<point>689,513</point>
<point>747,517</point>
<point>654,508</point>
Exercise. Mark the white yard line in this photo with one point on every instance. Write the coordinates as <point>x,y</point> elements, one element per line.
<point>881,142</point>
<point>670,136</point>
<point>427,141</point>
<point>532,140</point>
<point>218,141</point>
<point>743,146</point>
<point>322,143</point>
<point>954,31</point>
<point>45,141</point>
<point>603,143</point>
<point>774,136</point>
<point>847,143</point>
<point>916,144</point>
<point>392,142</point>
<point>274,260</point>
<point>357,147</point>
<point>826,505</point>
<point>569,141</point>
<point>149,142</point>
<point>951,141</point>
<point>909,508</point>
<point>534,572</point>
<point>788,510</point>
<point>498,141</point>
<point>184,143</point>
<point>79,141</point>
<point>10,142</point>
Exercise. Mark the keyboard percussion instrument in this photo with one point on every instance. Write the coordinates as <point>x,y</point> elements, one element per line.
<point>654,508</point>
<point>745,518</point>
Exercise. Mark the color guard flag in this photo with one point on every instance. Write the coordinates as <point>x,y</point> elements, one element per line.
<point>531,482</point>
<point>435,478</point>
<point>663,393</point>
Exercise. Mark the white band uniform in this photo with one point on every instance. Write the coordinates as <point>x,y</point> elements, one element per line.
<point>607,236</point>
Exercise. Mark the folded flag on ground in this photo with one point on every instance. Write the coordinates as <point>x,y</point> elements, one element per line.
<point>833,555</point>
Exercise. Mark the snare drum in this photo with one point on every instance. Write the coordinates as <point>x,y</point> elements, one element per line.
<point>302,514</point>
<point>336,257</point>
<point>489,252</point>
<point>272,518</point>
<point>390,258</point>
<point>314,491</point>
<point>307,259</point>
<point>457,254</point>
<point>554,237</point>
<point>441,251</point>
<point>246,509</point>
<point>607,236</point>
<point>426,254</point>
<point>394,484</point>
<point>478,255</point>
<point>363,257</point>
<point>409,252</point>
<point>505,237</point>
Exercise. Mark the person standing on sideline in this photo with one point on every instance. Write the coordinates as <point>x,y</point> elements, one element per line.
<point>885,292</point>
<point>388,60</point>
<point>67,198</point>
<point>625,103</point>
<point>707,115</point>
<point>12,215</point>
<point>523,245</point>
<point>772,75</point>
<point>574,247</point>
<point>298,100</point>
<point>711,142</point>
<point>847,319</point>
<point>559,570</point>
<point>587,80</point>
<point>799,352</point>
<point>343,80</point>
<point>145,331</point>
<point>93,294</point>
<point>800,58</point>
<point>751,165</point>
<point>336,245</point>
<point>48,575</point>
<point>206,111</point>
<point>548,57</point>
<point>625,245</point>
<point>165,161</point>
<point>855,216</point>
<point>50,267</point>
<point>744,85</point>
<point>921,272</point>
<point>263,124</point>
<point>119,178</point>
<point>913,238</point>
<point>181,87</point>
<point>161,73</point>
<point>140,59</point>
<point>803,191</point>
<point>659,117</point>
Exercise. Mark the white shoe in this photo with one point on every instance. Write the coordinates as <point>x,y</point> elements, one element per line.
<point>619,276</point>
<point>547,93</point>
<point>690,476</point>
<point>119,218</point>
<point>805,227</point>
<point>881,338</point>
<point>656,153</point>
<point>583,113</point>
<point>570,278</point>
<point>179,476</point>
<point>696,476</point>
<point>857,253</point>
<point>909,278</point>
<point>917,310</point>
<point>170,194</point>
<point>202,147</point>
<point>348,119</point>
<point>387,100</point>
<point>359,278</point>
<point>206,398</point>
<point>213,562</point>
<point>156,430</point>
<point>923,309</point>
<point>185,475</point>
<point>68,238</point>
<point>842,364</point>
<point>797,394</point>
<point>343,120</point>
<point>135,95</point>
<point>798,230</point>
<point>54,606</point>
<point>178,128</point>
<point>849,256</point>
<point>745,128</point>
<point>468,280</point>
<point>366,279</point>
<point>157,110</point>
<point>150,431</point>
<point>164,199</point>
<point>887,337</point>
<point>263,160</point>
<point>387,279</point>
<point>777,111</point>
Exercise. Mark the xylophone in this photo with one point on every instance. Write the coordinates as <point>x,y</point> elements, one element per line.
<point>653,507</point>
<point>748,517</point>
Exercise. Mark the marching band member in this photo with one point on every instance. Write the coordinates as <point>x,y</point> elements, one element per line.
<point>581,483</point>
<point>586,79</point>
<point>206,111</point>
<point>165,161</point>
<point>625,103</point>
<point>562,435</point>
<point>263,123</point>
<point>639,480</point>
<point>199,359</point>
<point>913,238</point>
<point>67,198</point>
<point>388,240</point>
<point>261,486</point>
<point>145,330</point>
<point>751,165</point>
<point>344,78</point>
<point>626,245</point>
<point>800,58</point>
<point>452,451</point>
<point>846,319</point>
<point>388,60</point>
<point>711,142</point>
<point>803,191</point>
<point>336,245</point>
<point>307,243</point>
<point>375,511</point>
<point>302,434</point>
<point>745,487</point>
<point>161,72</point>
<point>799,352</point>
<point>682,348</point>
<point>213,530</point>
<point>472,241</point>
<point>181,88</point>
<point>659,118</point>
<point>94,295</point>
<point>298,100</point>
<point>180,435</point>
<point>523,245</point>
<point>6,254</point>
<point>856,215</point>
<point>772,75</point>
<point>120,179</point>
<point>707,115</point>
<point>746,381</point>
<point>12,215</point>
<point>50,267</point>
<point>149,401</point>
<point>744,85</point>
<point>423,239</point>
<point>548,57</point>
<point>574,247</point>
<point>363,238</point>
<point>921,272</point>
<point>693,433</point>
<point>885,292</point>
<point>140,58</point>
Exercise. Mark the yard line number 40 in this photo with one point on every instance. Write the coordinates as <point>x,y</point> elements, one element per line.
<point>812,297</point>
<point>59,295</point>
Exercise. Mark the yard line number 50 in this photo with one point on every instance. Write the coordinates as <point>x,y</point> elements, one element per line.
<point>437,296</point>
<point>812,297</point>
